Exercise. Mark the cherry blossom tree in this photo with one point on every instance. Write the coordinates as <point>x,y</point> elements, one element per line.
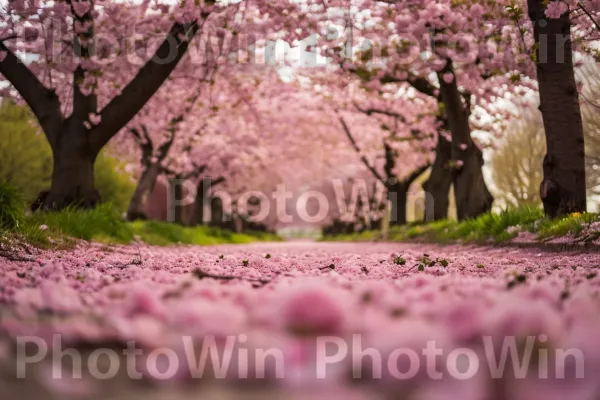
<point>162,136</point>
<point>86,68</point>
<point>400,149</point>
<point>456,52</point>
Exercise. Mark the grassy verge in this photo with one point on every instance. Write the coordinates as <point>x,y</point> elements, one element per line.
<point>103,224</point>
<point>497,228</point>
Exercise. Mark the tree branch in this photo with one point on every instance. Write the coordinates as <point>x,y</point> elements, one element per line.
<point>163,150</point>
<point>256,282</point>
<point>412,177</point>
<point>43,101</point>
<point>422,85</point>
<point>145,144</point>
<point>371,111</point>
<point>147,81</point>
<point>589,14</point>
<point>83,104</point>
<point>218,181</point>
<point>355,146</point>
<point>198,169</point>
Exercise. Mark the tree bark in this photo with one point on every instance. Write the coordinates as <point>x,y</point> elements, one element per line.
<point>472,195</point>
<point>201,196</point>
<point>138,206</point>
<point>176,195</point>
<point>205,199</point>
<point>563,190</point>
<point>470,190</point>
<point>217,214</point>
<point>437,186</point>
<point>73,175</point>
<point>398,195</point>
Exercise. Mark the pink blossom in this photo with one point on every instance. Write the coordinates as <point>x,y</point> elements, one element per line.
<point>95,119</point>
<point>66,385</point>
<point>81,7</point>
<point>556,8</point>
<point>313,310</point>
<point>60,297</point>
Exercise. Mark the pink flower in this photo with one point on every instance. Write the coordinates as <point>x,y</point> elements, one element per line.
<point>555,9</point>
<point>60,297</point>
<point>54,270</point>
<point>82,27</point>
<point>144,300</point>
<point>448,77</point>
<point>66,386</point>
<point>3,55</point>
<point>313,310</point>
<point>95,119</point>
<point>81,8</point>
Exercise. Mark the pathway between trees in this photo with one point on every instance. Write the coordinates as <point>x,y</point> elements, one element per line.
<point>286,298</point>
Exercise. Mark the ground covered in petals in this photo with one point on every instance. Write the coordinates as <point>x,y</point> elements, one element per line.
<point>300,320</point>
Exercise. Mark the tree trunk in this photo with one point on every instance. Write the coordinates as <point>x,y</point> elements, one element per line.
<point>563,189</point>
<point>472,195</point>
<point>175,213</point>
<point>201,196</point>
<point>73,173</point>
<point>437,186</point>
<point>138,206</point>
<point>217,214</point>
<point>398,195</point>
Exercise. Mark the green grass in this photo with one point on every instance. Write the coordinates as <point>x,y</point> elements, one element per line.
<point>365,236</point>
<point>12,207</point>
<point>489,228</point>
<point>104,224</point>
<point>162,233</point>
<point>573,224</point>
